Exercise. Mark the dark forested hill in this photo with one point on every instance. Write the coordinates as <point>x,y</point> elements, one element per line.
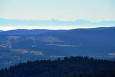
<point>68,67</point>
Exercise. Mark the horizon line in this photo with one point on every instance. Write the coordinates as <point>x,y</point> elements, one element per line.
<point>55,29</point>
<point>57,20</point>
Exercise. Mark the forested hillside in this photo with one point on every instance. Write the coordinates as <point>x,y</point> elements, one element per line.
<point>22,45</point>
<point>67,67</point>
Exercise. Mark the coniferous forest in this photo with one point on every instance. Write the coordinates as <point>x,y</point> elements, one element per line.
<point>66,67</point>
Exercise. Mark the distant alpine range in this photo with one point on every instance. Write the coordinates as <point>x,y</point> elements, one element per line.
<point>78,22</point>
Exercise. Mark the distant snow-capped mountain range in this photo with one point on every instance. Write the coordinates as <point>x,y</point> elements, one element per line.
<point>55,22</point>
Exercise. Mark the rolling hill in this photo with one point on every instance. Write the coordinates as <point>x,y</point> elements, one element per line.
<point>23,45</point>
<point>28,32</point>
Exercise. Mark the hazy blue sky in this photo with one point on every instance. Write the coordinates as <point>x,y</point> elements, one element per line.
<point>66,10</point>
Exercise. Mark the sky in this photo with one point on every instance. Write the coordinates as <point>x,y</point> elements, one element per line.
<point>63,10</point>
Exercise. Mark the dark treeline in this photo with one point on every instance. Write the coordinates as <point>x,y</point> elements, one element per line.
<point>68,67</point>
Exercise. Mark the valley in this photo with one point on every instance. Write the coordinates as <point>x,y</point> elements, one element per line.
<point>97,43</point>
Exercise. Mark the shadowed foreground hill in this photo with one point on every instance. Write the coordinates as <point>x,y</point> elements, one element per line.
<point>68,67</point>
